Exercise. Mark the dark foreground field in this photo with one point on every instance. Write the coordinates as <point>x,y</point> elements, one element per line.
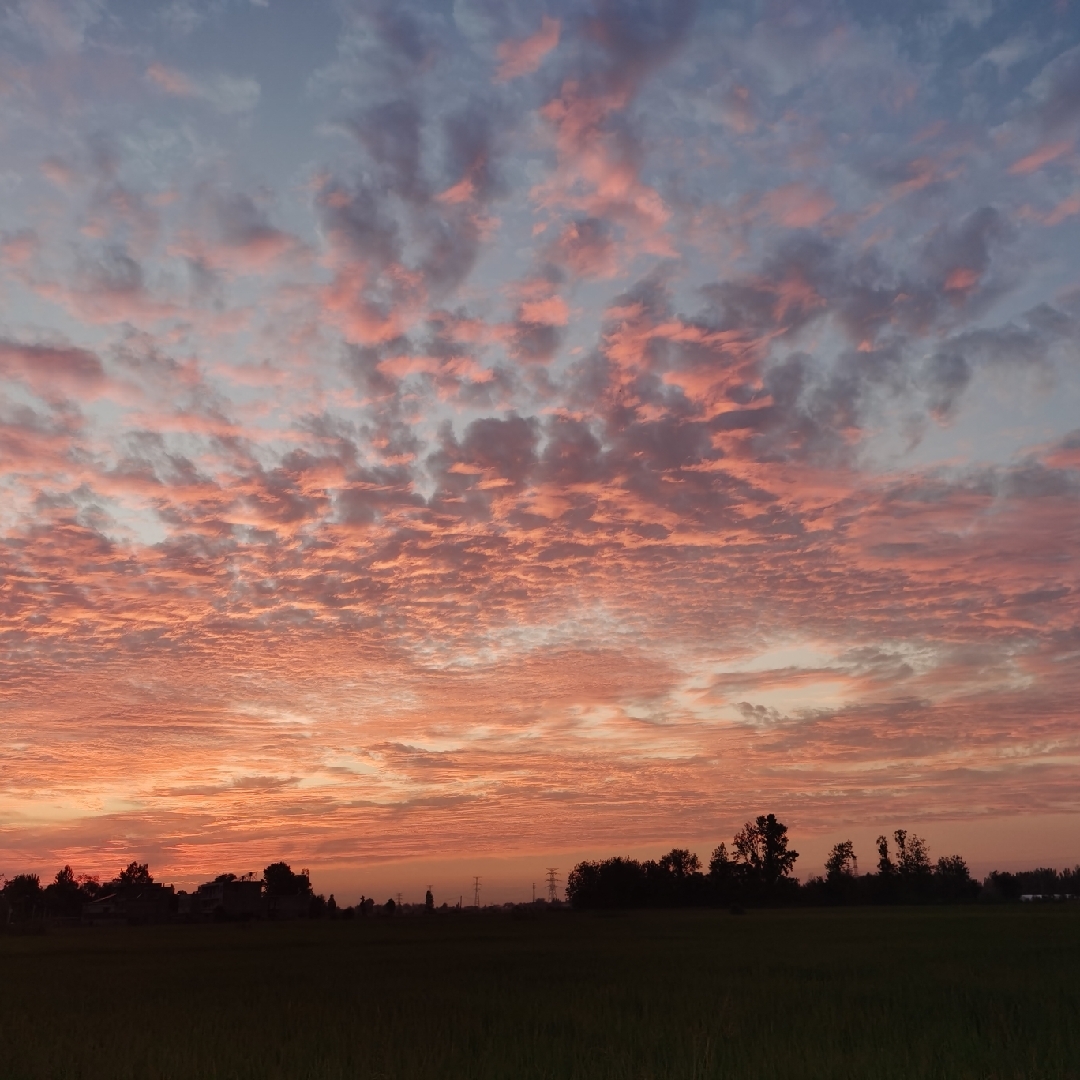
<point>978,992</point>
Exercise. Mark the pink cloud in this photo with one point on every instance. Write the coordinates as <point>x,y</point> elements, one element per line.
<point>392,518</point>
<point>551,310</point>
<point>596,175</point>
<point>171,81</point>
<point>225,93</point>
<point>1068,207</point>
<point>1038,158</point>
<point>797,206</point>
<point>48,368</point>
<point>524,56</point>
<point>962,279</point>
<point>19,248</point>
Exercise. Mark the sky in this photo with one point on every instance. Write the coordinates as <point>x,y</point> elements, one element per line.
<point>453,438</point>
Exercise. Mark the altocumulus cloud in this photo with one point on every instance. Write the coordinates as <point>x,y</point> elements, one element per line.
<point>558,427</point>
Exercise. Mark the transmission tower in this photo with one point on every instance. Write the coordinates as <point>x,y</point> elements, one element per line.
<point>553,883</point>
<point>476,893</point>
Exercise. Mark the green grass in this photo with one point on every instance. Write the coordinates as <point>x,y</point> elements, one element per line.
<point>986,992</point>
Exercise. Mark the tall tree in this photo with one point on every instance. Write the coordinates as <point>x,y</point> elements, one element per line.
<point>912,855</point>
<point>63,895</point>
<point>135,875</point>
<point>841,863</point>
<point>761,848</point>
<point>280,880</point>
<point>680,863</point>
<point>884,863</point>
<point>24,896</point>
<point>720,863</point>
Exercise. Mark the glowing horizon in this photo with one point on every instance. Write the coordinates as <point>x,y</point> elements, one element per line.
<point>443,432</point>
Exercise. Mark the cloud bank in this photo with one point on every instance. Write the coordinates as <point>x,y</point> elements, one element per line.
<point>501,430</point>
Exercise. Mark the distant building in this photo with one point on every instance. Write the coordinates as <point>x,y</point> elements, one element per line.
<point>235,899</point>
<point>144,904</point>
<point>289,907</point>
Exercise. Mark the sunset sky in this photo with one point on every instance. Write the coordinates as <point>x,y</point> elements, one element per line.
<point>442,438</point>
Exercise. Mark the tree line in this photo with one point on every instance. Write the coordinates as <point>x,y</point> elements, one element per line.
<point>24,897</point>
<point>757,869</point>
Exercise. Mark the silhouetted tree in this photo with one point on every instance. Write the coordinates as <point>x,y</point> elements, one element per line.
<point>719,863</point>
<point>279,880</point>
<point>841,884</point>
<point>1002,885</point>
<point>134,876</point>
<point>429,901</point>
<point>724,884</point>
<point>24,896</point>
<point>913,877</point>
<point>841,865</point>
<point>912,856</point>
<point>674,881</point>
<point>680,863</point>
<point>952,881</point>
<point>884,863</point>
<point>613,883</point>
<point>761,852</point>
<point>758,868</point>
<point>64,895</point>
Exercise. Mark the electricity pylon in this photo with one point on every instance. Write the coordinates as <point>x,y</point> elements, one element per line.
<point>476,893</point>
<point>553,883</point>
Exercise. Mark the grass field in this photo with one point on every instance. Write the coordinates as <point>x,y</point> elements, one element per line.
<point>907,992</point>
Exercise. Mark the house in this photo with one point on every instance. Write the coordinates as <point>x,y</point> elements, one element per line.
<point>289,907</point>
<point>230,898</point>
<point>141,904</point>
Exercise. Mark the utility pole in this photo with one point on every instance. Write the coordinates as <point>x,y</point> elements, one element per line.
<point>553,884</point>
<point>534,892</point>
<point>476,892</point>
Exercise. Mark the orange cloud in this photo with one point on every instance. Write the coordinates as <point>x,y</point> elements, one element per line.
<point>565,458</point>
